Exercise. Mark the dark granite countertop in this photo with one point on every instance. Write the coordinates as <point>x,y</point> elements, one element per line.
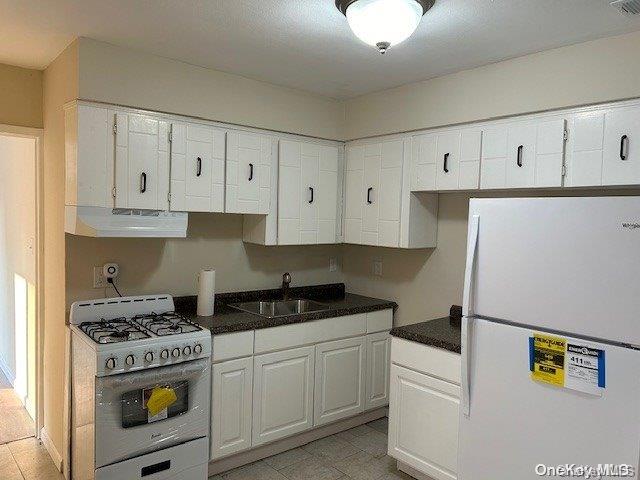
<point>440,333</point>
<point>227,319</point>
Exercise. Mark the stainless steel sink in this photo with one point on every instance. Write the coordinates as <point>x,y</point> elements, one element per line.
<point>280,308</point>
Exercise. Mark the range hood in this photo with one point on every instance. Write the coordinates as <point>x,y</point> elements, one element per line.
<point>118,222</point>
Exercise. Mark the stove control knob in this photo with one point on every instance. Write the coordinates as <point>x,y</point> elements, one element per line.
<point>197,349</point>
<point>164,354</point>
<point>130,360</point>
<point>187,350</point>
<point>175,353</point>
<point>149,357</point>
<point>111,363</point>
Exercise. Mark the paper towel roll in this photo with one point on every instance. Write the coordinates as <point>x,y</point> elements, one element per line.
<point>206,292</point>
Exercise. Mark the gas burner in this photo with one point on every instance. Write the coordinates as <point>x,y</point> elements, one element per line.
<point>168,323</point>
<point>113,331</point>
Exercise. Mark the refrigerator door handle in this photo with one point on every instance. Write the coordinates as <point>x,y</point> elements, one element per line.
<point>465,401</point>
<point>467,322</point>
<point>472,242</point>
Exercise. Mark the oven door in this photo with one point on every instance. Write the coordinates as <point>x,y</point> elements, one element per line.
<point>126,427</point>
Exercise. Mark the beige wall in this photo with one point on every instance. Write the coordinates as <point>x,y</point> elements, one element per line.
<point>20,96</point>
<point>591,72</point>
<point>60,86</point>
<point>171,265</point>
<point>127,77</point>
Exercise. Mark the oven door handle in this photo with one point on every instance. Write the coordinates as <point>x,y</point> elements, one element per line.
<point>153,376</point>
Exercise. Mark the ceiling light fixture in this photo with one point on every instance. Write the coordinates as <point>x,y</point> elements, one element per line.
<point>383,23</point>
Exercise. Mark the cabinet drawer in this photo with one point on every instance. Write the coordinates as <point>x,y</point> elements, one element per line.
<point>232,345</point>
<point>380,321</point>
<point>306,333</point>
<point>429,360</point>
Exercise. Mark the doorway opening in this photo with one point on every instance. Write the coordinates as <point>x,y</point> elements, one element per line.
<point>19,274</point>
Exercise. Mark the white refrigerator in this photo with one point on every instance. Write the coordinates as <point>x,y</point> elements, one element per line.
<point>551,338</point>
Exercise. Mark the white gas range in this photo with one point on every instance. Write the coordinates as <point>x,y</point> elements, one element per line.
<point>140,391</point>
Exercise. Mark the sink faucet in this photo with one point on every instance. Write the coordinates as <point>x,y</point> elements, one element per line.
<point>286,280</point>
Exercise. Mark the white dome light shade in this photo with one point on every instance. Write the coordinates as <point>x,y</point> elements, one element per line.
<point>383,23</point>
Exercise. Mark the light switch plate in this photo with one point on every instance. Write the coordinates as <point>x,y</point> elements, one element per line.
<point>377,267</point>
<point>98,278</point>
<point>333,264</point>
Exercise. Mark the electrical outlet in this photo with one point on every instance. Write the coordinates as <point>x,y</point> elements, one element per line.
<point>99,281</point>
<point>333,264</point>
<point>377,267</point>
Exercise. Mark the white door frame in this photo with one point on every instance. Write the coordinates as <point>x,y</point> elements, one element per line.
<point>38,135</point>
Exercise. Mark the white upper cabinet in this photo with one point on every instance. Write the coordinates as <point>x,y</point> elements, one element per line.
<point>523,155</point>
<point>621,151</point>
<point>248,179</point>
<point>89,156</point>
<point>141,162</point>
<point>197,168</point>
<point>584,150</point>
<point>373,193</point>
<point>448,160</point>
<point>307,193</point>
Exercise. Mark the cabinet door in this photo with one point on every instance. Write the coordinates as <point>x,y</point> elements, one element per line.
<point>584,150</point>
<point>470,145</point>
<point>521,156</point>
<point>377,378</point>
<point>339,380</point>
<point>390,195</point>
<point>309,174</point>
<point>197,168</point>
<point>621,164</point>
<point>289,173</point>
<point>327,196</point>
<point>248,187</point>
<point>89,156</point>
<point>423,163</point>
<point>371,192</point>
<point>423,423</point>
<point>448,160</point>
<point>142,162</point>
<point>231,407</point>
<point>282,394</point>
<point>494,157</point>
<point>354,194</point>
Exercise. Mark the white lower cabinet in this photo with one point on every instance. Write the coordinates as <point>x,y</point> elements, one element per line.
<point>377,381</point>
<point>339,380</point>
<point>282,394</point>
<point>423,422</point>
<point>231,407</point>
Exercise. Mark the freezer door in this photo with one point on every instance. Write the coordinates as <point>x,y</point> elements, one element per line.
<point>515,424</point>
<point>565,264</point>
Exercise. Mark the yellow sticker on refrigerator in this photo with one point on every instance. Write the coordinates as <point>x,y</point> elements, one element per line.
<point>568,363</point>
<point>547,357</point>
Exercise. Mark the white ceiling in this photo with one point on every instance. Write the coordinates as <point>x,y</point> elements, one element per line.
<point>305,44</point>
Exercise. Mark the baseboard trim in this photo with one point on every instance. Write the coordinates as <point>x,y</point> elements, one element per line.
<point>51,448</point>
<point>7,372</point>
<point>279,446</point>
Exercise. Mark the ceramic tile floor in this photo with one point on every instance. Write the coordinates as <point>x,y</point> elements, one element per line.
<point>357,454</point>
<point>27,459</point>
<point>15,422</point>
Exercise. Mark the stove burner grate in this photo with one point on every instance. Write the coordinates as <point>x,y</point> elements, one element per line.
<point>113,331</point>
<point>168,323</point>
